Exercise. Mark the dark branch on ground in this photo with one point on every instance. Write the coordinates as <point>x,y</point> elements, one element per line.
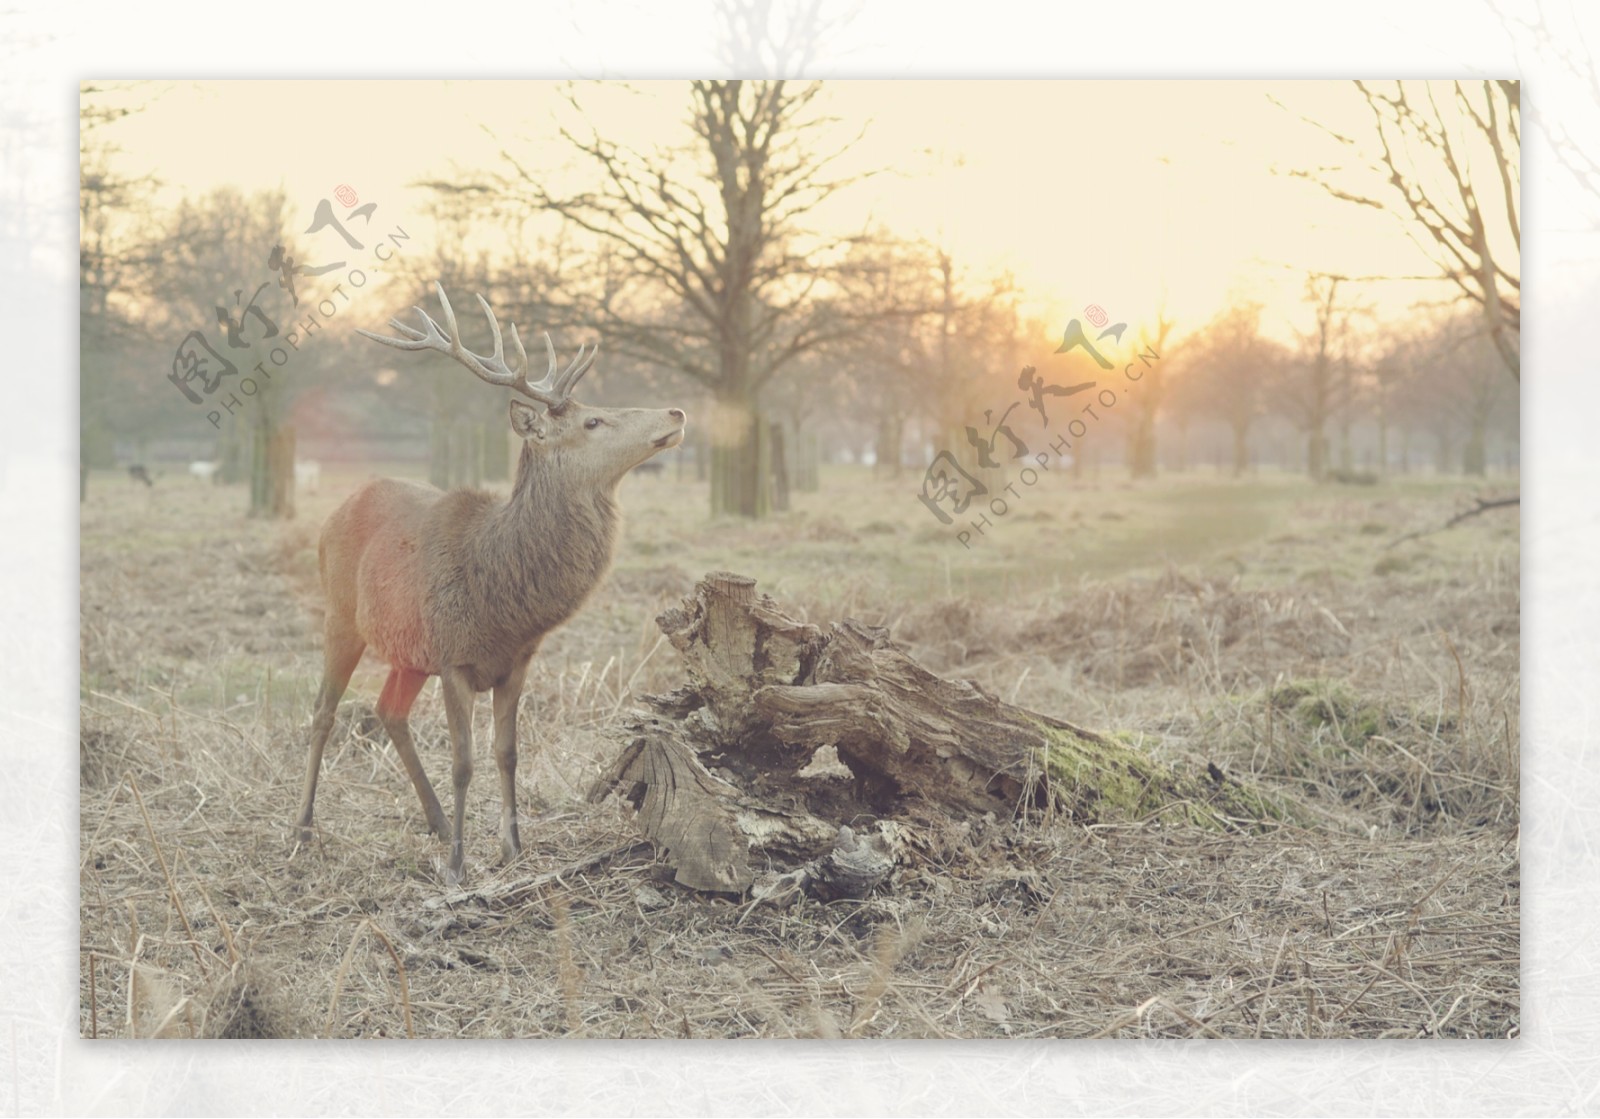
<point>1483,505</point>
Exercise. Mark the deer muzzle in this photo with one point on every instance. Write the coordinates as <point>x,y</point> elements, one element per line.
<point>675,436</point>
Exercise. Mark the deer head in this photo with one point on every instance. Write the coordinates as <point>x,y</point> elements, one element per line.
<point>588,444</point>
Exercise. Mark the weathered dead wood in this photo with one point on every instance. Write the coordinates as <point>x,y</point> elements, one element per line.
<point>705,826</point>
<point>715,771</point>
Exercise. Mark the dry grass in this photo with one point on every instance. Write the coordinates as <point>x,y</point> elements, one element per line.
<point>1379,687</point>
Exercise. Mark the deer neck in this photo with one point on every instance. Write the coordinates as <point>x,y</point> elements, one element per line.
<point>557,533</point>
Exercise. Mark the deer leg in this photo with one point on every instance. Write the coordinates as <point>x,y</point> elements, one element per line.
<point>458,697</point>
<point>506,695</point>
<point>394,711</point>
<point>341,653</point>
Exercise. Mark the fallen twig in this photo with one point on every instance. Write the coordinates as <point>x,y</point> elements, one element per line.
<point>1483,506</point>
<point>522,887</point>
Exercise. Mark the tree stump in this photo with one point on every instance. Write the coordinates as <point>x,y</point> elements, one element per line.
<point>717,769</point>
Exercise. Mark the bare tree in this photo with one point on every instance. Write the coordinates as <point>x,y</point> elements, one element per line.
<point>204,268</point>
<point>1149,401</point>
<point>1451,385</point>
<point>1447,164</point>
<point>974,356</point>
<point>467,438</point>
<point>712,271</point>
<point>1564,55</point>
<point>108,251</point>
<point>903,294</point>
<point>1308,390</point>
<point>1225,372</point>
<point>1390,371</point>
<point>774,38</point>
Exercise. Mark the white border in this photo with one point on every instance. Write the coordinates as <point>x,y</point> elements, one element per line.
<point>46,1069</point>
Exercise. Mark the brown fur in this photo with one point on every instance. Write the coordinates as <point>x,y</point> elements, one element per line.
<point>463,586</point>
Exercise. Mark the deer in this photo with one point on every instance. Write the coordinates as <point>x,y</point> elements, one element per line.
<point>465,586</point>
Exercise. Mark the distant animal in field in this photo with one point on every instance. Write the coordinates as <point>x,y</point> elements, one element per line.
<point>463,585</point>
<point>1353,477</point>
<point>205,471</point>
<point>138,473</point>
<point>308,476</point>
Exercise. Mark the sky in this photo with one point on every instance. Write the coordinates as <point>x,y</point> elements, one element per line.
<point>1138,196</point>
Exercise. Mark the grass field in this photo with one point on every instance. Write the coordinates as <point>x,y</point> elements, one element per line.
<point>1265,626</point>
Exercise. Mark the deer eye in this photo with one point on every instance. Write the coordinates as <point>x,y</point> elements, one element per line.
<point>592,422</point>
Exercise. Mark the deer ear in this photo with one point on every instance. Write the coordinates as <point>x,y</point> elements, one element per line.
<point>526,421</point>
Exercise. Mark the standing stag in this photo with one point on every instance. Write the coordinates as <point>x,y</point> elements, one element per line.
<point>463,586</point>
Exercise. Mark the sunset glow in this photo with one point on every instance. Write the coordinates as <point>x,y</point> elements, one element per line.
<point>1131,195</point>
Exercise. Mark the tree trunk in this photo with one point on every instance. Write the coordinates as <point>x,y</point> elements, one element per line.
<point>496,456</point>
<point>1346,414</point>
<point>1241,449</point>
<point>1142,445</point>
<point>721,773</point>
<point>1475,457</point>
<point>439,452</point>
<point>271,467</point>
<point>442,442</point>
<point>779,457</point>
<point>281,463</point>
<point>1317,453</point>
<point>740,462</point>
<point>890,447</point>
<point>470,433</point>
<point>98,356</point>
<point>460,452</point>
<point>260,470</point>
<point>809,481</point>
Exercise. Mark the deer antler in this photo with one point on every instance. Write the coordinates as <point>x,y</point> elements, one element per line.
<point>553,390</point>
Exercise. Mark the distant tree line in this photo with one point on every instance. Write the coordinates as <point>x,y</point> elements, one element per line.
<point>703,267</point>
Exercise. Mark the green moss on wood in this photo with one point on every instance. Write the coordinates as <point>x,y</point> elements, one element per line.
<point>1103,779</point>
